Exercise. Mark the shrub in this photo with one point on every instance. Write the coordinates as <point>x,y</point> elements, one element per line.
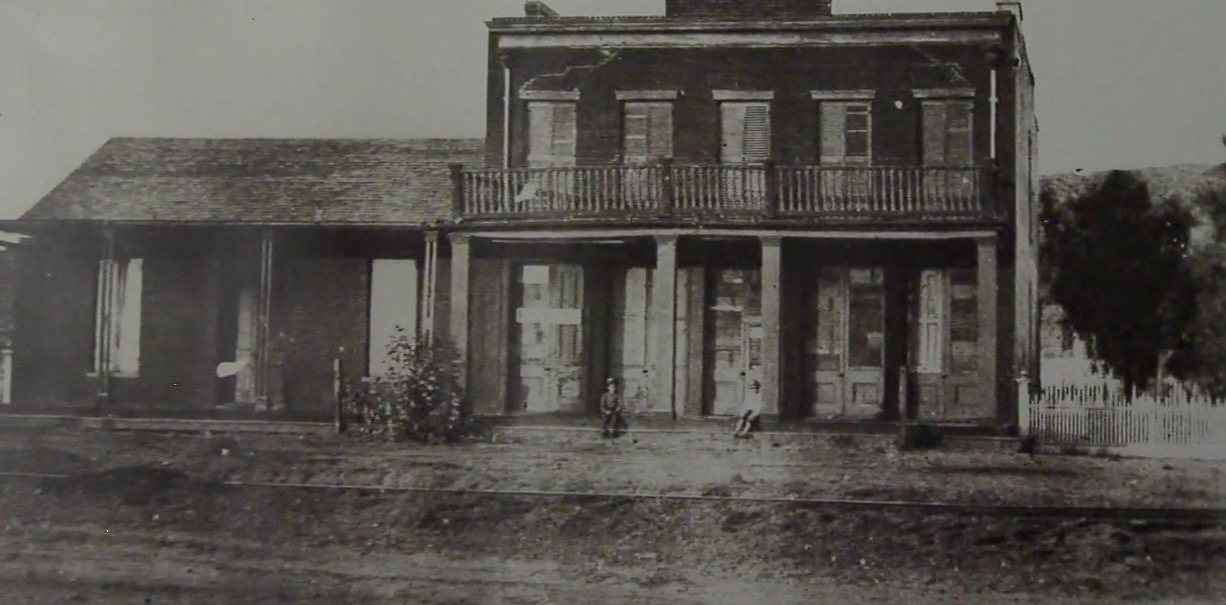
<point>419,397</point>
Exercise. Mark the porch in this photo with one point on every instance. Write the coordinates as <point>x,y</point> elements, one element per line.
<point>220,321</point>
<point>834,326</point>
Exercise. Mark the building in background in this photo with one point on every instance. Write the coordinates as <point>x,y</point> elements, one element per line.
<point>839,207</point>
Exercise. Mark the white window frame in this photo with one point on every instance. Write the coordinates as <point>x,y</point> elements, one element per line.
<point>124,328</point>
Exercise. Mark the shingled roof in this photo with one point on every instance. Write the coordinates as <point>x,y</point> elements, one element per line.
<point>329,181</point>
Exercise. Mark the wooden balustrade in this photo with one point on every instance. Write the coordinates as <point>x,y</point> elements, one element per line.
<point>729,190</point>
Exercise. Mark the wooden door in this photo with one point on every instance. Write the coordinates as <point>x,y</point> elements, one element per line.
<point>865,381</point>
<point>550,318</point>
<point>946,345</point>
<point>736,322</point>
<point>633,342</point>
<point>847,352</point>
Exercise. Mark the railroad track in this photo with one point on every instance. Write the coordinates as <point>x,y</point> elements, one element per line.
<point>1196,516</point>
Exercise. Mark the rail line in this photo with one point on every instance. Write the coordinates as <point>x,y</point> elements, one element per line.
<point>1196,515</point>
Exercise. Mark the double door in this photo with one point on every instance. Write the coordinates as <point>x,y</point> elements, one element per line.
<point>736,349</point>
<point>846,351</point>
<point>550,338</point>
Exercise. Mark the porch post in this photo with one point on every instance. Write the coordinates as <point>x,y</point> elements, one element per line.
<point>263,318</point>
<point>103,331</point>
<point>772,330</point>
<point>988,325</point>
<point>663,324</point>
<point>429,282</point>
<point>461,257</point>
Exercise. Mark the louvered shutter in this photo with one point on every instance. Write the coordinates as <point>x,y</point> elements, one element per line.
<point>634,134</point>
<point>958,128</point>
<point>551,134</point>
<point>757,133</point>
<point>834,119</point>
<point>934,131</point>
<point>540,135</point>
<point>564,134</point>
<point>659,130</point>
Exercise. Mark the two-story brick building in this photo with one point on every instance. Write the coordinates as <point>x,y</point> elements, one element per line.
<point>839,207</point>
<point>752,191</point>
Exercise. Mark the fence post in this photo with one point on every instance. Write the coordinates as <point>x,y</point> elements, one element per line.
<point>1023,404</point>
<point>6,375</point>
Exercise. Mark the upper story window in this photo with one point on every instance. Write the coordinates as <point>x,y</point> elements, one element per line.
<point>745,126</point>
<point>846,126</point>
<point>947,126</point>
<point>647,125</point>
<point>551,133</point>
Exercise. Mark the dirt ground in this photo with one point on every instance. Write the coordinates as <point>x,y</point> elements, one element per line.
<point>144,519</point>
<point>860,467</point>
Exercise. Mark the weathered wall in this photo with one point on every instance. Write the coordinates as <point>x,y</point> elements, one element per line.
<point>54,313</point>
<point>893,71</point>
<point>8,285</point>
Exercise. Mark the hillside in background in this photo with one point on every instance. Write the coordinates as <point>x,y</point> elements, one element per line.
<point>1181,183</point>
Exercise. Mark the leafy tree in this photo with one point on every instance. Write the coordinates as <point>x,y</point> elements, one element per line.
<point>1115,263</point>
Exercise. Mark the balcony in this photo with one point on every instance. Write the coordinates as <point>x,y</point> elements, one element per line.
<point>729,194</point>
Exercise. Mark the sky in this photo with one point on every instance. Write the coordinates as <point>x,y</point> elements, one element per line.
<point>1120,83</point>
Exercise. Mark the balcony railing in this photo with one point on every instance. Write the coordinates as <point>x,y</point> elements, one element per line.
<point>729,192</point>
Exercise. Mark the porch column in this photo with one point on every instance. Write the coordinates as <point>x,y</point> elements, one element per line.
<point>461,257</point>
<point>262,375</point>
<point>663,324</point>
<point>103,331</point>
<point>772,330</point>
<point>429,283</point>
<point>988,324</point>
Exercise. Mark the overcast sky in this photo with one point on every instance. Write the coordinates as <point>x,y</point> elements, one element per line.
<point>1121,83</point>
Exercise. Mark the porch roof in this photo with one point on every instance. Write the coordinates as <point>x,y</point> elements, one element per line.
<point>261,181</point>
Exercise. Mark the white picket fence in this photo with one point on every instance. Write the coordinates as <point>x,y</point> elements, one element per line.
<point>1172,422</point>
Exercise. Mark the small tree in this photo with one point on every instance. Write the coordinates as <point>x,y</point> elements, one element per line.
<point>419,397</point>
<point>1116,265</point>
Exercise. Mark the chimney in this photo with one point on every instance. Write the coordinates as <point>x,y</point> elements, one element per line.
<point>748,10</point>
<point>1010,6</point>
<point>539,10</point>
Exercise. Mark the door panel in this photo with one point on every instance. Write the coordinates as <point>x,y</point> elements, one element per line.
<point>551,338</point>
<point>847,354</point>
<point>632,357</point>
<point>735,317</point>
<point>947,346</point>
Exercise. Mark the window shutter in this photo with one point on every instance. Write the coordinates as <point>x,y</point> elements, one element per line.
<point>757,133</point>
<point>732,147</point>
<point>551,134</point>
<point>934,130</point>
<point>660,131</point>
<point>834,120</point>
<point>634,135</point>
<point>564,122</point>
<point>932,321</point>
<point>958,142</point>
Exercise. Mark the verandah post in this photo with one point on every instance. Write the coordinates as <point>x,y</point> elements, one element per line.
<point>104,331</point>
<point>770,172</point>
<point>668,187</point>
<point>1023,404</point>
